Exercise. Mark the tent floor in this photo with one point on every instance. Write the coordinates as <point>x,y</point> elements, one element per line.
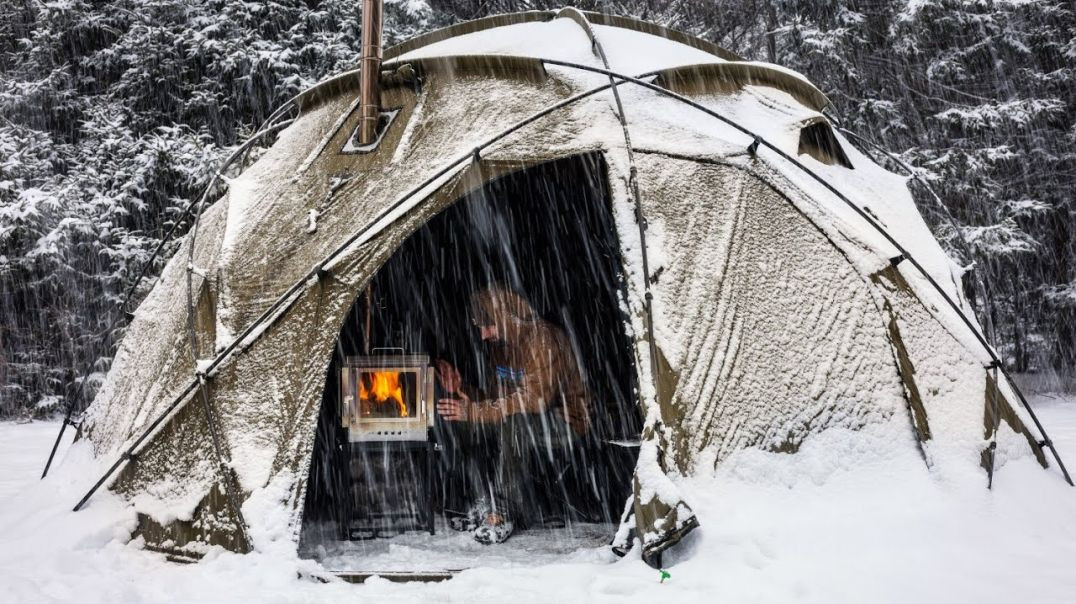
<point>421,556</point>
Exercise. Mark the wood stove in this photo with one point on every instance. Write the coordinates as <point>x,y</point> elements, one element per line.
<point>386,412</point>
<point>387,397</point>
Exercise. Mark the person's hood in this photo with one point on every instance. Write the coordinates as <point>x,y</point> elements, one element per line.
<point>506,309</point>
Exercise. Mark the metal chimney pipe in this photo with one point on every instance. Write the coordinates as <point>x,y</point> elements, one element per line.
<point>370,63</point>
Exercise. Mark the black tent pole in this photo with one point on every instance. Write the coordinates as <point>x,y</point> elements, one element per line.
<point>67,420</point>
<point>59,437</point>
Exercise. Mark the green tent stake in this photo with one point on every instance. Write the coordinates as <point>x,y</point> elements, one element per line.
<point>664,575</point>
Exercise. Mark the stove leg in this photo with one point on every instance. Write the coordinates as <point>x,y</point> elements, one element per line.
<point>343,502</point>
<point>429,486</point>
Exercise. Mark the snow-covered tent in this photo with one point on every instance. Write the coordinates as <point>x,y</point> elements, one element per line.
<point>779,282</point>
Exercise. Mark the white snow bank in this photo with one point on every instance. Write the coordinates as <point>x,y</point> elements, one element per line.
<point>853,517</point>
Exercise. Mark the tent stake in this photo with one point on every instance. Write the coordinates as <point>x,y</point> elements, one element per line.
<point>996,421</point>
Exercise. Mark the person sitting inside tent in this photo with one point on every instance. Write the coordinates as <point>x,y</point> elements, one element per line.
<point>538,400</point>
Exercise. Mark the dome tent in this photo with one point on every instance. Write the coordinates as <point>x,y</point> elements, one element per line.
<point>762,307</point>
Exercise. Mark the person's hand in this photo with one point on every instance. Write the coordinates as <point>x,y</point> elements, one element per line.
<point>449,376</point>
<point>455,409</point>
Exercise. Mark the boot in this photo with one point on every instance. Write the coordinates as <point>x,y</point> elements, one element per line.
<point>495,527</point>
<point>470,520</point>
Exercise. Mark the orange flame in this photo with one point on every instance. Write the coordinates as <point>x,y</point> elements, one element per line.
<point>383,386</point>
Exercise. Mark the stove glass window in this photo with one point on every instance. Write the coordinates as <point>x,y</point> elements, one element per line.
<point>387,394</point>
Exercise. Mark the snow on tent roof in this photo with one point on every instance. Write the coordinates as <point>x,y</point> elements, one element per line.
<point>585,19</point>
<point>777,312</point>
<point>563,39</point>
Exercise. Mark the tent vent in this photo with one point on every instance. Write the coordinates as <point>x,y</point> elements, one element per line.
<point>818,141</point>
<point>354,143</point>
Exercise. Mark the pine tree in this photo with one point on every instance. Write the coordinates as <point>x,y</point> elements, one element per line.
<point>112,116</point>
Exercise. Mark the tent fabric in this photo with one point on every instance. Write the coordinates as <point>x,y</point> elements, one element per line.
<point>773,333</point>
<point>773,318</point>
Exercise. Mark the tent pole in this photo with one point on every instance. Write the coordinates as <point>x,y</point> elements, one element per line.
<point>59,437</point>
<point>965,247</point>
<point>68,412</point>
<point>653,559</point>
<point>369,320</point>
<point>982,292</point>
<point>633,190</point>
<point>131,452</point>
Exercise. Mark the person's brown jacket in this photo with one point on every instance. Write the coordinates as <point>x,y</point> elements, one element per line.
<point>536,368</point>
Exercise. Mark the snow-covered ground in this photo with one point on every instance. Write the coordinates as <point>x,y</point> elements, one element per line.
<point>853,517</point>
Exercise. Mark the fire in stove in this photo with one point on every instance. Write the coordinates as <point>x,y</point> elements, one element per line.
<point>386,398</point>
<point>381,394</point>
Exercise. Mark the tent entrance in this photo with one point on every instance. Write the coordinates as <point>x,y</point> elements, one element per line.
<point>547,235</point>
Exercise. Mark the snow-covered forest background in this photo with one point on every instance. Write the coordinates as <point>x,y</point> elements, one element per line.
<point>113,116</point>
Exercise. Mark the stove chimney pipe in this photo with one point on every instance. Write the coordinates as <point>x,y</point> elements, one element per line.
<point>370,63</point>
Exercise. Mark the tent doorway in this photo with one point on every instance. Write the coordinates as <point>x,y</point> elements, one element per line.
<point>547,234</point>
